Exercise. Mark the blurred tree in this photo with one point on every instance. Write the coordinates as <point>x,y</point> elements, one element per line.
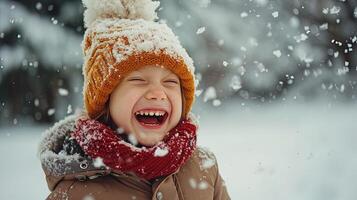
<point>262,50</point>
<point>254,50</point>
<point>40,59</point>
<point>331,26</point>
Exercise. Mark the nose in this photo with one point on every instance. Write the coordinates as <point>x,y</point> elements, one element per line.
<point>156,93</point>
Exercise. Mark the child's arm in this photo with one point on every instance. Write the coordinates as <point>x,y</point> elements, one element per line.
<point>209,162</point>
<point>61,191</point>
<point>220,189</point>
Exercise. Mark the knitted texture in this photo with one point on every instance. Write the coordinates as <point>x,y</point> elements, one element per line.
<point>100,141</point>
<point>114,47</point>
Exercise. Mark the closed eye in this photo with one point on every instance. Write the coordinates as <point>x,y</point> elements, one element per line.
<point>136,79</point>
<point>172,81</point>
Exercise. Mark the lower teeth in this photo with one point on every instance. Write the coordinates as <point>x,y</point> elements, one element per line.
<point>151,124</point>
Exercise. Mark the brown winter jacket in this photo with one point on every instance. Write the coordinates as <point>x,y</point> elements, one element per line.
<point>73,177</point>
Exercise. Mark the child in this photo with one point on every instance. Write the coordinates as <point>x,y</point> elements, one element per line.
<point>136,138</point>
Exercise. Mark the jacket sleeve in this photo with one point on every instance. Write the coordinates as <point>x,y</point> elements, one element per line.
<point>220,189</point>
<point>99,188</point>
<point>61,191</point>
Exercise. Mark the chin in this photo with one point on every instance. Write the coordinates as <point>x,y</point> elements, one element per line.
<point>150,139</point>
<point>149,143</point>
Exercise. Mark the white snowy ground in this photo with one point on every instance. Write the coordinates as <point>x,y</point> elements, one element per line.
<point>286,151</point>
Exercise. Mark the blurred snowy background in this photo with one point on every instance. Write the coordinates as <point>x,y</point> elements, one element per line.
<point>277,96</point>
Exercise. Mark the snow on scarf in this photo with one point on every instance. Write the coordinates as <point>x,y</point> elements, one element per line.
<point>99,141</point>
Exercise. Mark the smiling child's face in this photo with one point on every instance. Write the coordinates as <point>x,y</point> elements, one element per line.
<point>147,103</point>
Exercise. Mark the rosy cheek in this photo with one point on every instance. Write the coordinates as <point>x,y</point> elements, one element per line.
<point>176,104</point>
<point>134,98</point>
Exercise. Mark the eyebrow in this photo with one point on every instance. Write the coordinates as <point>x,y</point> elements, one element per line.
<point>141,75</point>
<point>133,76</point>
<point>173,75</point>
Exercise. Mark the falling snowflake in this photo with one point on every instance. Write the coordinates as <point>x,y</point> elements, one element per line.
<point>208,163</point>
<point>201,30</point>
<point>198,93</point>
<point>235,83</point>
<point>36,102</point>
<point>209,94</point>
<point>178,24</point>
<point>69,109</point>
<point>325,11</point>
<point>301,37</point>
<point>335,10</point>
<point>324,26</point>
<point>51,111</point>
<point>216,102</point>
<point>62,92</point>
<point>161,152</point>
<point>203,185</point>
<point>192,183</point>
<point>243,15</point>
<point>120,130</point>
<point>132,139</point>
<point>275,14</point>
<point>225,63</point>
<point>98,162</point>
<point>277,53</point>
<point>38,6</point>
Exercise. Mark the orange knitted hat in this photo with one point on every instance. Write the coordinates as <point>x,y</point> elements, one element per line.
<point>121,37</point>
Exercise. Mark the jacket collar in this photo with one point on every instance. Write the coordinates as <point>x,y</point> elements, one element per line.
<point>58,165</point>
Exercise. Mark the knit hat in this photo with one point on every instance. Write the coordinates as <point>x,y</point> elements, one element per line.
<point>121,37</point>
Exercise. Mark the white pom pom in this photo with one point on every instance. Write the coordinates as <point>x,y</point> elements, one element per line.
<point>123,9</point>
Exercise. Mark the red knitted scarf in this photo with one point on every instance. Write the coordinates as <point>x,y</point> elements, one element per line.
<point>98,140</point>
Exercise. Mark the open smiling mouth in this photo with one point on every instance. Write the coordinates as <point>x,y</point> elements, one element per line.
<point>151,119</point>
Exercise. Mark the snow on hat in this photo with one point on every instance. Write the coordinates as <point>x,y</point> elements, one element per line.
<point>121,37</point>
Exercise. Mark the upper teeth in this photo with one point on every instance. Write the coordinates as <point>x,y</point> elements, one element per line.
<point>151,113</point>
